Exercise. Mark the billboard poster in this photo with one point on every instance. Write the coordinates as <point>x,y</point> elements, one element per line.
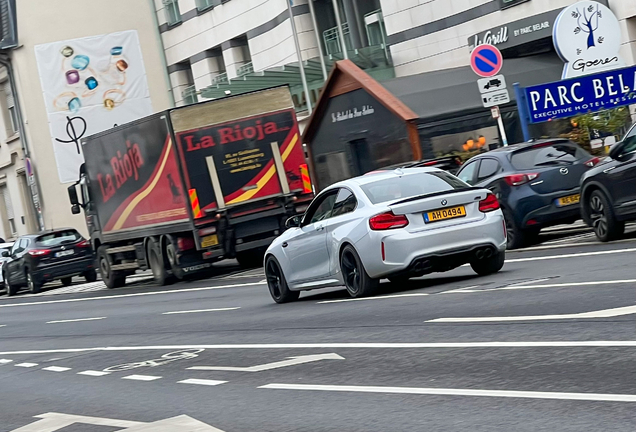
<point>90,84</point>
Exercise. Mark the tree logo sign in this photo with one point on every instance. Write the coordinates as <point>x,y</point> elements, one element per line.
<point>587,37</point>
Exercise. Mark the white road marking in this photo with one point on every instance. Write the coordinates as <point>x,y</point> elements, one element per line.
<point>201,382</point>
<point>75,320</point>
<point>3,325</point>
<point>599,397</point>
<point>352,345</point>
<point>56,369</point>
<point>93,373</point>
<point>575,255</point>
<point>373,298</point>
<point>244,285</point>
<point>605,313</point>
<point>5,361</point>
<point>460,290</point>
<point>141,377</point>
<point>201,310</point>
<point>557,285</point>
<point>26,365</point>
<point>268,366</point>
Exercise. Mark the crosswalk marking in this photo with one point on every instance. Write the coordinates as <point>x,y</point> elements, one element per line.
<point>141,377</point>
<point>201,382</point>
<point>56,369</point>
<point>93,373</point>
<point>26,365</point>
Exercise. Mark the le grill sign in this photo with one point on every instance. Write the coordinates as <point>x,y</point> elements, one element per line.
<point>581,95</point>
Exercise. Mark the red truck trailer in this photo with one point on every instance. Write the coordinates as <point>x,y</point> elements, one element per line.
<point>178,190</point>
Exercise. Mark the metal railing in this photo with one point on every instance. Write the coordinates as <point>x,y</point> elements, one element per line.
<point>332,39</point>
<point>190,95</point>
<point>220,79</point>
<point>247,68</point>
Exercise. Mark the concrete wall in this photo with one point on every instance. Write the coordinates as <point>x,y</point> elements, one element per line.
<point>42,21</point>
<point>448,48</point>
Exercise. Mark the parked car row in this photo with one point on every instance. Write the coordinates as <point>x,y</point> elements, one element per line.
<point>36,259</point>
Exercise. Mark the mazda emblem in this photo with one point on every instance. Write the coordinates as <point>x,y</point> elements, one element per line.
<point>444,202</point>
<point>564,171</point>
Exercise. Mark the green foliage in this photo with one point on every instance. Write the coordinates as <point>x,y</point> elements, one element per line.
<point>611,121</point>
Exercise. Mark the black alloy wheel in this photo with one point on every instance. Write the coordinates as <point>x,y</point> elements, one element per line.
<point>277,283</point>
<point>356,279</point>
<point>604,223</point>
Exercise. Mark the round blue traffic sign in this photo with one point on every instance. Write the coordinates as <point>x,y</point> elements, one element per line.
<point>486,60</point>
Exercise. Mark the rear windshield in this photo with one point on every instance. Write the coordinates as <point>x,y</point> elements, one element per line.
<point>58,238</point>
<point>411,185</point>
<point>555,154</point>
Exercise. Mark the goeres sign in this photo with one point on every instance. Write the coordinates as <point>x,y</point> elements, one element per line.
<point>581,95</point>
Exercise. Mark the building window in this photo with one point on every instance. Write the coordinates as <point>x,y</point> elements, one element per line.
<point>13,115</point>
<point>8,217</point>
<point>173,15</point>
<point>204,4</point>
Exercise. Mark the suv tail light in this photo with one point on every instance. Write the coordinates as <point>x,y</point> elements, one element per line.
<point>592,162</point>
<point>519,179</point>
<point>84,244</point>
<point>489,203</point>
<point>387,221</point>
<point>39,252</point>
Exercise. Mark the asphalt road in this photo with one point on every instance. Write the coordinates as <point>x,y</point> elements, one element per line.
<point>549,344</point>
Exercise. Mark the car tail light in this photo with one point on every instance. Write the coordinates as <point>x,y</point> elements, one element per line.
<point>489,203</point>
<point>84,244</point>
<point>592,162</point>
<point>519,179</point>
<point>185,243</point>
<point>39,252</point>
<point>387,221</point>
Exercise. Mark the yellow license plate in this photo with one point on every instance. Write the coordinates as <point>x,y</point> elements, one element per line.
<point>568,200</point>
<point>211,240</point>
<point>442,214</point>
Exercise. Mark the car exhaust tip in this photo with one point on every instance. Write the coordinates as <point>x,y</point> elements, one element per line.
<point>479,254</point>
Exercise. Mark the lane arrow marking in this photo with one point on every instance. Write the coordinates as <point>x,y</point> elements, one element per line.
<point>292,361</point>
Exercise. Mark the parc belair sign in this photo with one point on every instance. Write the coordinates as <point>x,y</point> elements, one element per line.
<point>587,37</point>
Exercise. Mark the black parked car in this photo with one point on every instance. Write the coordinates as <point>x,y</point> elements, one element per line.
<point>39,258</point>
<point>537,184</point>
<point>609,190</point>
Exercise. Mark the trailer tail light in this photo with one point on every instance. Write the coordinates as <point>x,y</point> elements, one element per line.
<point>304,175</point>
<point>387,221</point>
<point>207,231</point>
<point>185,243</point>
<point>488,204</point>
<point>519,179</point>
<point>84,244</point>
<point>39,252</point>
<point>592,162</point>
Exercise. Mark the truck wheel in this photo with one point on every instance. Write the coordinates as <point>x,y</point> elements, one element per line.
<point>250,259</point>
<point>171,255</point>
<point>155,259</point>
<point>112,278</point>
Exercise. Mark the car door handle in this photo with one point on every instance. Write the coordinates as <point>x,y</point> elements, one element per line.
<point>608,169</point>
<point>285,244</point>
<point>320,228</point>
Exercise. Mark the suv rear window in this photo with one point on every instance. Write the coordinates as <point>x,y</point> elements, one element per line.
<point>411,185</point>
<point>547,155</point>
<point>58,238</point>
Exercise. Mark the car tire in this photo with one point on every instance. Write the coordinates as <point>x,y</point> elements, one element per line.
<point>10,289</point>
<point>487,266</point>
<point>90,275</point>
<point>66,281</point>
<point>277,284</point>
<point>357,281</point>
<point>112,278</point>
<point>603,219</point>
<point>33,284</point>
<point>156,263</point>
<point>516,237</point>
<point>250,259</point>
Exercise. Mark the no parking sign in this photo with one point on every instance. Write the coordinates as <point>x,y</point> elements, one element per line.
<point>486,60</point>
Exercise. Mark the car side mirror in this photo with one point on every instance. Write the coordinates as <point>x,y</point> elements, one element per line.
<point>5,254</point>
<point>72,196</point>
<point>293,222</point>
<point>75,209</point>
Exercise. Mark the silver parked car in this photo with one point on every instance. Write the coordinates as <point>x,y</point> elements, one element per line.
<point>4,247</point>
<point>391,224</point>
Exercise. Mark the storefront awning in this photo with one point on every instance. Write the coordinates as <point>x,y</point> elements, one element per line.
<point>449,92</point>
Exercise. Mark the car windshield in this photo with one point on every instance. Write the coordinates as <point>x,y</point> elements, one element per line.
<point>58,238</point>
<point>546,155</point>
<point>411,185</point>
